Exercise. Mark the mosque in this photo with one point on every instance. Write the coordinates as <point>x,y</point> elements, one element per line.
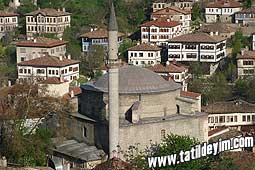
<point>130,105</point>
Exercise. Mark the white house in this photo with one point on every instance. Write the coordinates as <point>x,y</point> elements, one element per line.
<point>8,22</point>
<point>174,14</point>
<point>182,4</point>
<point>197,46</point>
<point>234,114</point>
<point>144,54</point>
<point>175,71</point>
<point>160,31</point>
<point>246,16</point>
<point>222,10</point>
<point>39,46</point>
<point>47,20</point>
<point>246,64</point>
<point>47,66</point>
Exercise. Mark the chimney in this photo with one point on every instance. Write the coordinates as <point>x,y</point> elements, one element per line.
<point>174,61</point>
<point>72,94</point>
<point>216,33</point>
<point>34,40</point>
<point>168,19</point>
<point>167,63</point>
<point>211,33</point>
<point>61,79</point>
<point>64,9</point>
<point>9,83</point>
<point>242,51</point>
<point>138,43</point>
<point>58,10</point>
<point>91,29</point>
<point>69,56</point>
<point>60,38</point>
<point>61,58</point>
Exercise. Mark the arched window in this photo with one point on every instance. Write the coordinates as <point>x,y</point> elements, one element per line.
<point>177,109</point>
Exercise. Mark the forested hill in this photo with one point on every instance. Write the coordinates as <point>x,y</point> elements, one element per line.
<point>130,13</point>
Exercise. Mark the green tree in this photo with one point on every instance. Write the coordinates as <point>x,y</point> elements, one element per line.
<point>92,61</point>
<point>247,3</point>
<point>27,143</point>
<point>127,43</point>
<point>170,145</point>
<point>196,12</point>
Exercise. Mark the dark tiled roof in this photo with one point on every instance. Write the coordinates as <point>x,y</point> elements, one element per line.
<point>7,14</point>
<point>170,68</point>
<point>41,42</point>
<point>114,163</point>
<point>48,61</point>
<point>189,94</point>
<point>48,12</point>
<point>161,23</point>
<point>99,33</point>
<point>145,47</point>
<point>247,55</point>
<point>197,37</point>
<point>250,10</point>
<point>224,4</point>
<point>237,106</point>
<point>218,27</point>
<point>170,11</point>
<point>134,80</point>
<point>214,131</point>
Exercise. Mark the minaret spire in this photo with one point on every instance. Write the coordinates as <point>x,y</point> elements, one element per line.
<point>113,64</point>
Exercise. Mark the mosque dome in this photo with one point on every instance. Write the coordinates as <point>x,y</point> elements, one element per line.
<point>133,80</point>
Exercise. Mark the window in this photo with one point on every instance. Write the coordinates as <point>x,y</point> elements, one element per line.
<point>191,55</point>
<point>253,118</point>
<point>49,71</point>
<point>247,62</point>
<point>235,118</point>
<point>22,50</point>
<point>70,68</point>
<point>20,70</point>
<point>163,133</point>
<point>84,132</point>
<point>75,69</point>
<point>174,46</point>
<point>176,77</point>
<point>244,118</point>
<point>216,119</point>
<point>248,118</point>
<point>222,119</point>
<point>140,54</point>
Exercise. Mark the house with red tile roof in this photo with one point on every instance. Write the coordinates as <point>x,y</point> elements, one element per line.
<point>97,37</point>
<point>144,54</point>
<point>39,46</point>
<point>8,22</point>
<point>197,46</point>
<point>246,64</point>
<point>222,10</point>
<point>174,14</point>
<point>45,67</point>
<point>182,4</point>
<point>174,71</point>
<point>235,114</point>
<point>160,31</point>
<point>48,20</point>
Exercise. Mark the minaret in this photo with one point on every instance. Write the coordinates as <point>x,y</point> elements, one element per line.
<point>113,64</point>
